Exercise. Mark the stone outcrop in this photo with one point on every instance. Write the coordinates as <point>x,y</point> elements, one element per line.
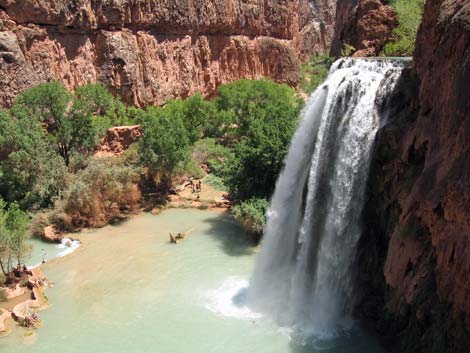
<point>118,139</point>
<point>418,215</point>
<point>366,25</point>
<point>150,51</point>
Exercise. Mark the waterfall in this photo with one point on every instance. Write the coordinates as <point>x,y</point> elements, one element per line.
<point>303,276</point>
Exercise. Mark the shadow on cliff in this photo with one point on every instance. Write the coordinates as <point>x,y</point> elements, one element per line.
<point>231,238</point>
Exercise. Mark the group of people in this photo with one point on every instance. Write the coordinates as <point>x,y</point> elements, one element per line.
<point>196,186</point>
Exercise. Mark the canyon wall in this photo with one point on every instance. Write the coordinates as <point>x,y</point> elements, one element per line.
<point>418,213</point>
<point>150,51</point>
<point>364,25</point>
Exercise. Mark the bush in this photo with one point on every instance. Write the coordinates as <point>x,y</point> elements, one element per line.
<point>314,72</point>
<point>252,214</point>
<point>409,13</point>
<point>38,224</point>
<point>100,192</point>
<point>194,170</point>
<point>208,151</point>
<point>216,182</point>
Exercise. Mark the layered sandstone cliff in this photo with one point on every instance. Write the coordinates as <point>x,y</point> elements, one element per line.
<point>150,51</point>
<point>418,215</point>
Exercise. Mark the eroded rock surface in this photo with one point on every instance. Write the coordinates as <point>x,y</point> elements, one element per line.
<point>151,51</point>
<point>118,139</point>
<point>419,212</point>
<point>366,25</point>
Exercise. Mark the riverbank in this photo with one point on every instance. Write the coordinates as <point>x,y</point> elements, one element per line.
<point>24,301</point>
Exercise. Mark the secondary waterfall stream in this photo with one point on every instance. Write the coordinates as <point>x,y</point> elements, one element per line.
<point>303,276</point>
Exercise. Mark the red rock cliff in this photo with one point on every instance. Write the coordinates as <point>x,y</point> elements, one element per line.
<point>366,25</point>
<point>150,51</point>
<point>418,215</point>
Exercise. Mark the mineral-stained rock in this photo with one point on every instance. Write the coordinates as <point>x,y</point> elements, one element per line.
<point>150,51</point>
<point>51,235</point>
<point>118,139</point>
<point>365,25</point>
<point>419,212</point>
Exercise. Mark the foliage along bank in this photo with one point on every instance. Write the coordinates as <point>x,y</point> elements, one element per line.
<point>49,136</point>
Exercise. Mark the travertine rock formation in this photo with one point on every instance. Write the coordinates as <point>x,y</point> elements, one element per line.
<point>366,25</point>
<point>418,215</point>
<point>149,51</point>
<point>117,140</point>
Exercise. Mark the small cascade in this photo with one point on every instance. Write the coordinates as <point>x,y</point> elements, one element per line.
<point>303,277</point>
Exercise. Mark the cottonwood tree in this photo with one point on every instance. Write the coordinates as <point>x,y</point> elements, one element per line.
<point>164,147</point>
<point>68,119</point>
<point>13,235</point>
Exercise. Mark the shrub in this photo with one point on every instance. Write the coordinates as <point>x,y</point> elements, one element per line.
<point>194,170</point>
<point>314,72</point>
<point>98,193</point>
<point>38,224</point>
<point>409,14</point>
<point>252,214</point>
<point>216,182</point>
<point>208,151</point>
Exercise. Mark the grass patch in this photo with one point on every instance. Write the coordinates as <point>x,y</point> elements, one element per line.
<point>409,13</point>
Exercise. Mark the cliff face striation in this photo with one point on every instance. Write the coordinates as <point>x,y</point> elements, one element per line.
<point>418,215</point>
<point>150,51</point>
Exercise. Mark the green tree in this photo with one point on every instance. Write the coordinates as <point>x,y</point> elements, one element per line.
<point>69,123</point>
<point>165,146</point>
<point>196,114</point>
<point>31,172</point>
<point>13,236</point>
<point>264,116</point>
<point>104,109</point>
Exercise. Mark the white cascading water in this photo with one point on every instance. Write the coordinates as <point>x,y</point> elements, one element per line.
<point>303,274</point>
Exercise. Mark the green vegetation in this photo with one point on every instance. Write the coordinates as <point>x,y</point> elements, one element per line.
<point>409,14</point>
<point>347,50</point>
<point>263,117</point>
<point>13,248</point>
<point>216,182</point>
<point>252,214</point>
<point>48,137</point>
<point>165,146</point>
<point>314,72</point>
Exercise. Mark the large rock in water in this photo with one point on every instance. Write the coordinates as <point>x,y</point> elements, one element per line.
<point>418,215</point>
<point>151,51</point>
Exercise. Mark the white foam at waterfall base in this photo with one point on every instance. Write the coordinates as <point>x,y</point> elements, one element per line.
<point>229,300</point>
<point>68,245</point>
<point>304,273</point>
